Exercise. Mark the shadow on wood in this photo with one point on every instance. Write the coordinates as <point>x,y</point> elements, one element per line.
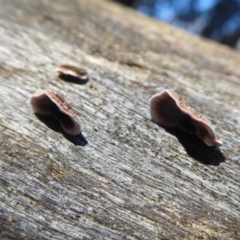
<point>196,148</point>
<point>73,79</point>
<point>51,122</point>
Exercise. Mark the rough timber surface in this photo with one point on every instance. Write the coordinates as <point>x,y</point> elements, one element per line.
<point>134,180</point>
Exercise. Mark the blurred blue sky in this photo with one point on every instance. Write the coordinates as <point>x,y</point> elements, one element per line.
<point>215,19</point>
<point>165,10</point>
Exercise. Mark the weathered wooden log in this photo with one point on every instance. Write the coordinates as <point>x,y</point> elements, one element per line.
<point>134,179</point>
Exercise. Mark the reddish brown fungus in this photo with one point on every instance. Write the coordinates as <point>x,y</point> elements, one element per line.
<point>73,74</point>
<point>169,110</point>
<point>47,102</point>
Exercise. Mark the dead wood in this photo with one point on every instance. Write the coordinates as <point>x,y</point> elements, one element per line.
<point>134,179</point>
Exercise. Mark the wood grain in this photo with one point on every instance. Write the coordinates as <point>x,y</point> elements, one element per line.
<point>134,179</point>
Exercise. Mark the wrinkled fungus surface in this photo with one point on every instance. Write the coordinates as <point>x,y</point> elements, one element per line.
<point>73,74</point>
<point>169,110</point>
<point>47,102</point>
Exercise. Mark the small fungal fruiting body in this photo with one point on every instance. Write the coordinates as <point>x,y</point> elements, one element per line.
<point>47,102</point>
<point>169,110</point>
<point>73,74</point>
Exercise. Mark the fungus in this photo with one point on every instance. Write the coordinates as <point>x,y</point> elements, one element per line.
<point>73,74</point>
<point>169,110</point>
<point>47,102</point>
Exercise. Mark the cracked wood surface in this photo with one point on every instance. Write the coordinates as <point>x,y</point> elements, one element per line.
<point>134,180</point>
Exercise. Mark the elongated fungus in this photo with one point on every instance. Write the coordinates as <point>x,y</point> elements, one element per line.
<point>73,74</point>
<point>47,102</point>
<point>169,110</point>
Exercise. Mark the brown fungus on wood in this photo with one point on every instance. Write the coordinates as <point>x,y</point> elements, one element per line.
<point>169,110</point>
<point>47,102</point>
<point>73,74</point>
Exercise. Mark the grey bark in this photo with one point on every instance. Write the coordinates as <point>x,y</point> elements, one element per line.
<point>134,180</point>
